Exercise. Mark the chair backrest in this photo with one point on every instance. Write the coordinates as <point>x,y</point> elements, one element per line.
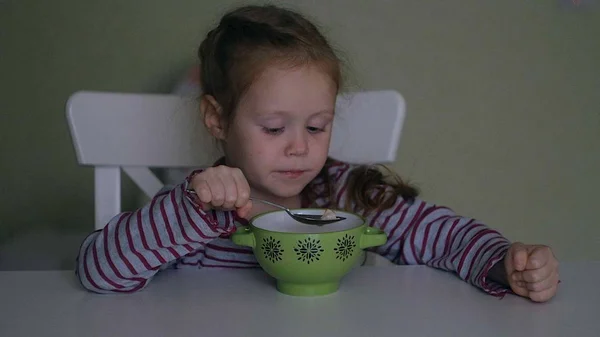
<point>134,132</point>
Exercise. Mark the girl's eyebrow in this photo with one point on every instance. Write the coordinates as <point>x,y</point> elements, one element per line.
<point>269,116</point>
<point>324,112</point>
<point>289,113</point>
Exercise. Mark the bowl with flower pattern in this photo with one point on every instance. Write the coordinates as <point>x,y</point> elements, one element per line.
<point>307,260</point>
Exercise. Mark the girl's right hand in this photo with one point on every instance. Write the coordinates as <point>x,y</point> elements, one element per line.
<point>224,188</point>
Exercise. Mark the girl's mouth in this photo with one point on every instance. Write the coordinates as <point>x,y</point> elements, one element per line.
<point>293,174</point>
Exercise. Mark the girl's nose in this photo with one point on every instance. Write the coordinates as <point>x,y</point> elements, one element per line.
<point>298,144</point>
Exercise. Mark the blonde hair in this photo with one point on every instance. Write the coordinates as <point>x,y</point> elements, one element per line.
<point>249,39</point>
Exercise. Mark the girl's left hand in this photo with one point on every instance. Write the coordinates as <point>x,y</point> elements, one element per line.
<point>532,271</point>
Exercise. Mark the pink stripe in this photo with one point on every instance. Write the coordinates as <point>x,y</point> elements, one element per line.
<point>478,252</point>
<point>132,290</point>
<point>413,226</point>
<point>447,245</point>
<point>450,237</point>
<point>86,271</point>
<point>419,219</point>
<point>194,253</point>
<point>448,248</point>
<point>118,245</point>
<point>402,219</point>
<point>484,271</point>
<point>411,243</point>
<point>373,221</point>
<point>465,234</point>
<point>228,219</point>
<point>109,260</point>
<point>132,247</point>
<point>337,164</point>
<point>398,223</point>
<point>210,221</point>
<point>166,221</point>
<point>226,266</point>
<point>494,289</point>
<point>469,247</point>
<point>163,193</point>
<point>106,250</point>
<point>155,229</point>
<point>99,270</point>
<point>193,225</point>
<point>338,199</point>
<point>435,242</point>
<point>144,241</point>
<point>403,235</point>
<point>91,281</point>
<point>214,258</point>
<point>174,253</point>
<point>426,237</point>
<point>181,228</point>
<point>400,253</point>
<point>396,210</point>
<point>415,230</point>
<point>467,225</point>
<point>339,173</point>
<point>230,225</point>
<point>228,249</point>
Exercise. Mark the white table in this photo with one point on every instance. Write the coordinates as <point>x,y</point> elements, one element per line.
<point>373,301</point>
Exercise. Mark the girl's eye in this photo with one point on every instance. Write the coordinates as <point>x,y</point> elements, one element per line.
<point>314,129</point>
<point>272,131</point>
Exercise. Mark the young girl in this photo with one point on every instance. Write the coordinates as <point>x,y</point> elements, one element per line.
<point>269,82</point>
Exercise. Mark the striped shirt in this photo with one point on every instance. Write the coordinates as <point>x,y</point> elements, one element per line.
<point>171,231</point>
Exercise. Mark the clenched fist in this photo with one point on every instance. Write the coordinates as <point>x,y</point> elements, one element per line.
<point>224,188</point>
<point>532,271</point>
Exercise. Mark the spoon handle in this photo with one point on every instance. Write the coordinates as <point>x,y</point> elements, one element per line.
<point>270,203</point>
<point>251,198</point>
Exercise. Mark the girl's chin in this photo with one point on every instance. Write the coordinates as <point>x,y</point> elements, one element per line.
<point>279,191</point>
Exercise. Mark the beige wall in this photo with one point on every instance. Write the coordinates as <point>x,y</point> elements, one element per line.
<point>503,105</point>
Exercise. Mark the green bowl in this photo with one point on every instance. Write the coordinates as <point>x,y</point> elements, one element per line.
<point>307,260</point>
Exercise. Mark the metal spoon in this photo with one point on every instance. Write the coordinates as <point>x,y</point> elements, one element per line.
<point>311,219</point>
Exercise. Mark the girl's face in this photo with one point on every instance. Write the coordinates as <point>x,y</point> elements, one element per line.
<point>281,130</point>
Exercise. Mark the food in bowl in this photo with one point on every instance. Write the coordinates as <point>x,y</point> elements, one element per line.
<point>328,215</point>
<point>307,260</point>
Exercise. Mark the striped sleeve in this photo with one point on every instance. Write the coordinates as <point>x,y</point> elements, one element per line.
<point>134,246</point>
<point>427,234</point>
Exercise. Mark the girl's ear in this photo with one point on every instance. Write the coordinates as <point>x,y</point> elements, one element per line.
<point>212,115</point>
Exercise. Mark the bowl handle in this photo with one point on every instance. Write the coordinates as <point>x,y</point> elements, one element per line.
<point>372,237</point>
<point>243,236</point>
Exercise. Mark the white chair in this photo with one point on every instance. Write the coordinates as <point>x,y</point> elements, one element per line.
<point>136,132</point>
